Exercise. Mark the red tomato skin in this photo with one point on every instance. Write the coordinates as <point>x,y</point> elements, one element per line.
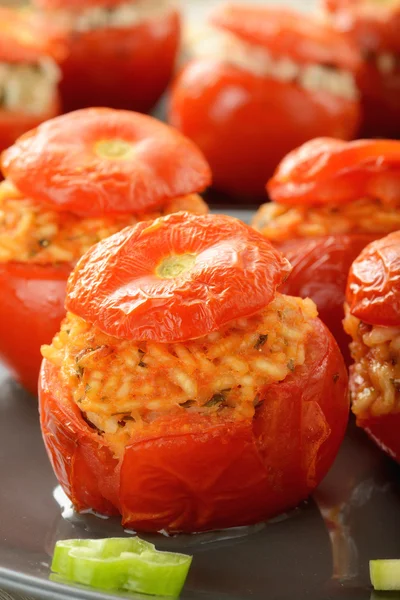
<point>373,287</point>
<point>193,474</point>
<point>246,124</point>
<point>125,68</point>
<point>13,125</point>
<point>385,433</point>
<point>320,271</point>
<point>380,102</point>
<point>31,310</point>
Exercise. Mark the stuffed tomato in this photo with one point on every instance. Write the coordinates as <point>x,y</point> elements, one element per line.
<point>183,391</point>
<point>374,26</point>
<point>269,80</point>
<point>330,199</point>
<point>373,322</point>
<point>70,183</point>
<point>121,53</point>
<point>28,75</point>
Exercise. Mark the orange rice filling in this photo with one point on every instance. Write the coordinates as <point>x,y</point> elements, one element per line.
<point>120,385</point>
<point>33,233</point>
<point>280,223</point>
<point>375,375</point>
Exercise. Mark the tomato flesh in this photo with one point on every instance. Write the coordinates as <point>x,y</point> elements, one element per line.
<point>246,124</point>
<point>192,474</point>
<point>31,310</point>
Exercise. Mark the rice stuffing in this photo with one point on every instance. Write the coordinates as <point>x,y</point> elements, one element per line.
<point>33,233</point>
<point>120,385</point>
<point>375,382</point>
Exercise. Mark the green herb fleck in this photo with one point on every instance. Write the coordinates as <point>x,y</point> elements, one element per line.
<point>44,243</point>
<point>291,365</point>
<point>187,404</point>
<point>216,399</point>
<point>262,338</point>
<point>335,377</point>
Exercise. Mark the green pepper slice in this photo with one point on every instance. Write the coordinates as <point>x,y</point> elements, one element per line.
<point>121,563</point>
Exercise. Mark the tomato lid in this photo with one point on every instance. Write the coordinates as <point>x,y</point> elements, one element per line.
<point>175,278</point>
<point>99,160</point>
<point>373,24</point>
<point>327,170</point>
<point>302,37</point>
<point>26,39</point>
<point>373,287</point>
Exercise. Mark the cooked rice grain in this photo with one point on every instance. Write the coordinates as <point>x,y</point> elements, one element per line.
<point>121,385</point>
<point>33,233</point>
<point>375,377</point>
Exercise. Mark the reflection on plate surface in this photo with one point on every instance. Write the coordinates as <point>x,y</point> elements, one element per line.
<point>319,551</point>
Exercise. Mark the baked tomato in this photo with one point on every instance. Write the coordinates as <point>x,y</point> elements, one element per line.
<point>373,321</point>
<point>320,269</point>
<point>28,55</point>
<point>155,282</point>
<point>327,170</point>
<point>77,179</point>
<point>266,91</point>
<point>31,309</point>
<point>330,199</point>
<point>100,160</point>
<point>374,26</point>
<point>120,55</point>
<point>194,465</point>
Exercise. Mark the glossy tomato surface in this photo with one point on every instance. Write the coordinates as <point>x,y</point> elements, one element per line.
<point>175,278</point>
<point>31,310</point>
<point>327,170</point>
<point>373,289</point>
<point>320,271</point>
<point>246,124</point>
<point>192,474</point>
<point>126,67</point>
<point>98,161</point>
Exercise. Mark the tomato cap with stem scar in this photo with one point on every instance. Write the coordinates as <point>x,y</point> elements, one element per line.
<point>175,278</point>
<point>327,170</point>
<point>100,160</point>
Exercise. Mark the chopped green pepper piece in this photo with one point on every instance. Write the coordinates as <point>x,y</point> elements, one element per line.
<point>385,574</point>
<point>121,563</point>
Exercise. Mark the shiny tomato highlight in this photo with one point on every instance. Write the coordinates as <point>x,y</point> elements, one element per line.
<point>373,289</point>
<point>193,474</point>
<point>327,170</point>
<point>246,124</point>
<point>176,278</point>
<point>31,309</point>
<point>99,160</point>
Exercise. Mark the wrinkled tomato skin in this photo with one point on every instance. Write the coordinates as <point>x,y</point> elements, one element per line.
<point>125,68</point>
<point>385,433</point>
<point>320,271</point>
<point>246,124</point>
<point>13,125</point>
<point>373,286</point>
<point>191,473</point>
<point>31,309</point>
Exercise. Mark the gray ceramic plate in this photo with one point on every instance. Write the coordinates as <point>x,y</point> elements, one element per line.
<point>320,551</point>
